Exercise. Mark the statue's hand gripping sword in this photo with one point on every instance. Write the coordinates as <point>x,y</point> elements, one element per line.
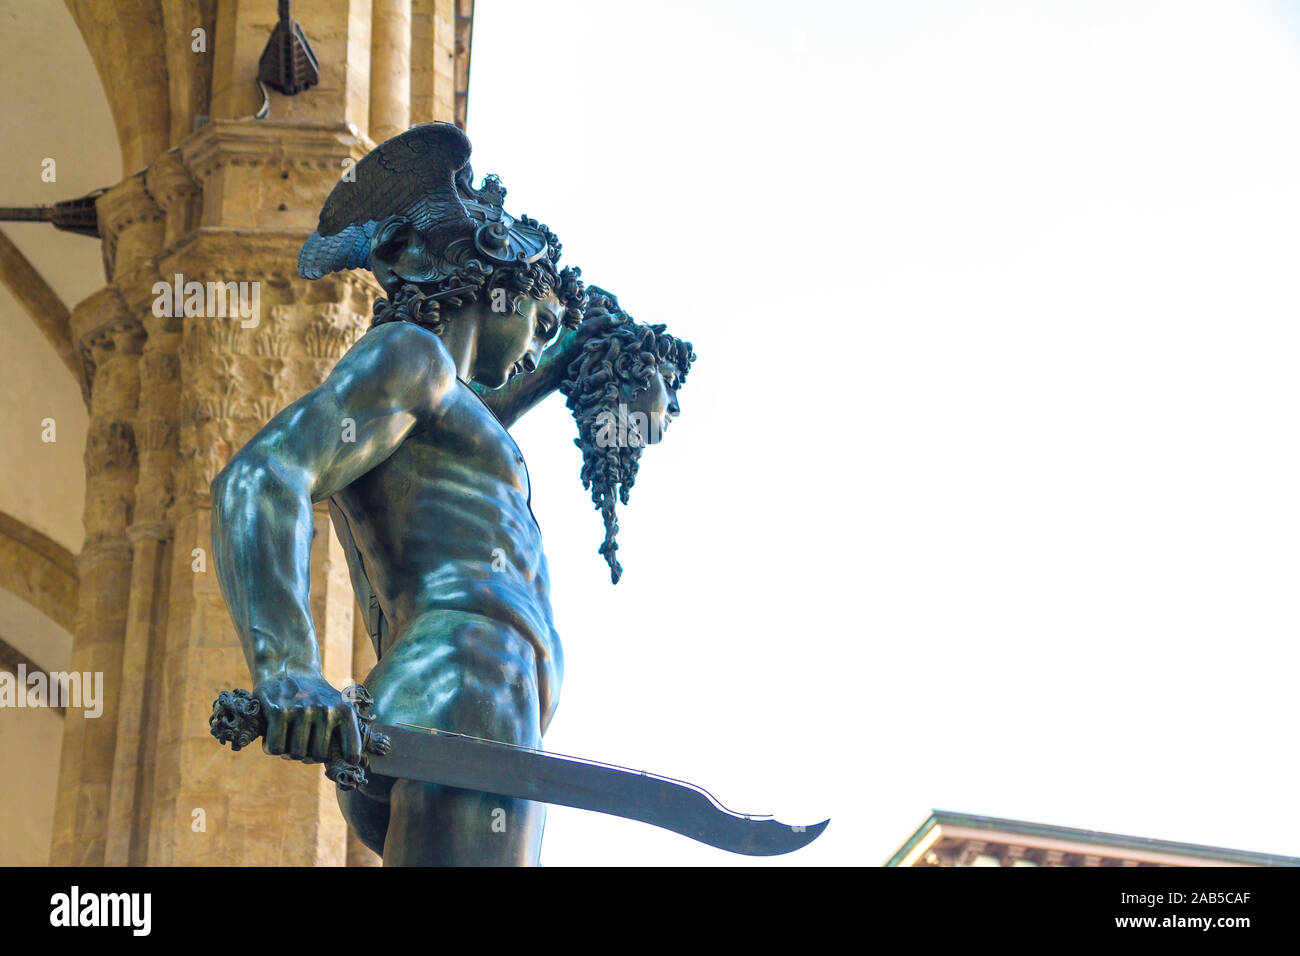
<point>489,766</point>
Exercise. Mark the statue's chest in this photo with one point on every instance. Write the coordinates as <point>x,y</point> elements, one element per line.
<point>467,442</point>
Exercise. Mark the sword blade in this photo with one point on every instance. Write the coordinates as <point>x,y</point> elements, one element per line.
<point>489,766</point>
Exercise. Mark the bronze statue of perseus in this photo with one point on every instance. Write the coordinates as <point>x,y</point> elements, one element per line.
<point>439,759</point>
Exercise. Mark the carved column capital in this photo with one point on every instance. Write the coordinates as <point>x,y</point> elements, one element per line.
<point>131,224</point>
<point>168,181</point>
<point>96,321</point>
<point>269,174</point>
<point>176,192</point>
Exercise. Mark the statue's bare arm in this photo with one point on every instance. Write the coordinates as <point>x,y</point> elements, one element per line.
<point>396,376</point>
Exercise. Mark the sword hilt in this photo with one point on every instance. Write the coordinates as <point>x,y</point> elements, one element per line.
<point>237,719</point>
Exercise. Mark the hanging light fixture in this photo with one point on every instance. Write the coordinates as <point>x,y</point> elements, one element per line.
<point>71,215</point>
<point>287,63</point>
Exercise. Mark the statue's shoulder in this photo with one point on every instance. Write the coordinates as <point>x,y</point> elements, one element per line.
<point>399,359</point>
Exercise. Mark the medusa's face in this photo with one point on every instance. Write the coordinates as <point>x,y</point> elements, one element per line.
<point>657,403</point>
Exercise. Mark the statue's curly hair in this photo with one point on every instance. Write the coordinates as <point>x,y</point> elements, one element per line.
<point>470,278</point>
<point>628,352</point>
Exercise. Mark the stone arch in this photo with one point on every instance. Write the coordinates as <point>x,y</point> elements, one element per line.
<point>38,602</point>
<point>123,40</point>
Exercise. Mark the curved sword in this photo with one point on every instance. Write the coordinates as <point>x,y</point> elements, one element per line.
<point>472,763</point>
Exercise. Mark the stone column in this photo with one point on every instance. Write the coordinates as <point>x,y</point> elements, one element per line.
<point>390,85</point>
<point>173,395</point>
<point>150,532</point>
<point>111,337</point>
<point>108,329</point>
<point>433,61</point>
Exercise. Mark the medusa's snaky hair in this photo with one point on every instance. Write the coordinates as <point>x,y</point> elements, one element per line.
<point>624,352</point>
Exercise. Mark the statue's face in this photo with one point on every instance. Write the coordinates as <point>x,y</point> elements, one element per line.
<point>657,402</point>
<point>512,342</point>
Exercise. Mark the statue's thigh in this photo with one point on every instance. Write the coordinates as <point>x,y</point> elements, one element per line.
<point>460,673</point>
<point>431,825</point>
<point>469,675</point>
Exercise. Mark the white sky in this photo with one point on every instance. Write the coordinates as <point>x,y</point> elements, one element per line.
<point>986,491</point>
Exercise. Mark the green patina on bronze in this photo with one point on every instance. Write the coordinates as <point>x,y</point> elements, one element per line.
<point>622,390</point>
<point>407,440</point>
